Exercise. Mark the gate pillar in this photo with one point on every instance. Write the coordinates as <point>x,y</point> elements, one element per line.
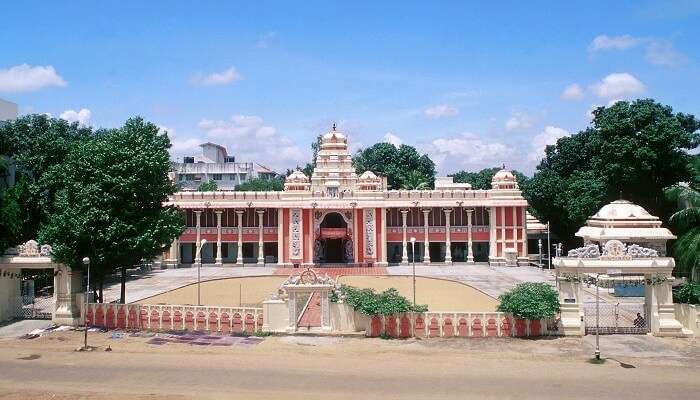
<point>68,294</point>
<point>660,310</point>
<point>570,304</point>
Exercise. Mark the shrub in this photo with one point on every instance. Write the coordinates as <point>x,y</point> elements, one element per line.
<point>530,300</point>
<point>369,302</point>
<point>688,293</point>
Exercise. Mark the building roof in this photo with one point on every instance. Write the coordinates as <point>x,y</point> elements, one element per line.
<point>623,220</point>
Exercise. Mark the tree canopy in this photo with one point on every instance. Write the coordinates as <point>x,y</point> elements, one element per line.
<point>685,222</point>
<point>261,185</point>
<point>632,149</point>
<point>35,144</point>
<point>109,205</point>
<point>207,186</point>
<point>396,163</point>
<point>482,180</point>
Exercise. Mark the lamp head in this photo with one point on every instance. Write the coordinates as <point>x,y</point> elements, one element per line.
<point>86,260</point>
<point>203,242</point>
<point>413,240</point>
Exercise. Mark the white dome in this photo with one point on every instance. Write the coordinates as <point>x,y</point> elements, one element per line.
<point>333,136</point>
<point>503,176</point>
<point>297,176</point>
<point>623,210</point>
<point>368,175</point>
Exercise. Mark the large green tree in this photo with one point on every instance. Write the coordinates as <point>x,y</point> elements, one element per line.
<point>110,205</point>
<point>481,180</point>
<point>632,149</point>
<point>396,163</point>
<point>35,144</point>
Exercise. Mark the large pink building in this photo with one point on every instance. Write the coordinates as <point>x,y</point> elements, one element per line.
<point>338,217</point>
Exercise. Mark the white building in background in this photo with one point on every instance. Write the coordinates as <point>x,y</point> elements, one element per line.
<point>215,164</point>
<point>8,110</point>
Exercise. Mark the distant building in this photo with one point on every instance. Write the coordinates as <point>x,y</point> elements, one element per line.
<point>214,164</point>
<point>8,110</point>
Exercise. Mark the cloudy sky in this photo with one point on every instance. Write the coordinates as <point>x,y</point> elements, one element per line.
<point>474,85</point>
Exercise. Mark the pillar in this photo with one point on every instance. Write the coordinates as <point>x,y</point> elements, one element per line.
<point>492,235</point>
<point>448,242</point>
<point>197,248</point>
<point>661,315</point>
<point>404,245</point>
<point>261,245</point>
<point>426,242</point>
<point>173,256</point>
<point>239,253</point>
<point>219,260</point>
<point>470,254</point>
<point>384,258</point>
<point>280,236</point>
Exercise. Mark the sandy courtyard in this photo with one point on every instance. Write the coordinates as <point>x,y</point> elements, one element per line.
<point>440,295</point>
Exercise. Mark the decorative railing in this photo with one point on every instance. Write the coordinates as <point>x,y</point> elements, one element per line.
<point>162,317</point>
<point>459,324</point>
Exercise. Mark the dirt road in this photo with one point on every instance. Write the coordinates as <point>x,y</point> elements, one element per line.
<point>334,368</point>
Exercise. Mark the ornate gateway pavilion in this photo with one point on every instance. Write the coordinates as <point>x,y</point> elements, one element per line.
<point>338,217</point>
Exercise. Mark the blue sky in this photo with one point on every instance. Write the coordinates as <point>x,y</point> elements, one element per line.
<point>473,85</point>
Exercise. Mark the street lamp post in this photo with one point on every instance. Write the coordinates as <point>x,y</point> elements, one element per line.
<point>597,318</point>
<point>199,271</point>
<point>539,247</point>
<point>413,261</point>
<point>86,262</point>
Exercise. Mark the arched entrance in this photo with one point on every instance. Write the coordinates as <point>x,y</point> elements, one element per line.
<point>334,243</point>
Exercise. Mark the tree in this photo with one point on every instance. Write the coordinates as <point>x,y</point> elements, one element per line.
<point>261,185</point>
<point>110,206</point>
<point>633,150</point>
<point>35,144</point>
<point>394,163</point>
<point>686,223</point>
<point>530,300</point>
<point>208,186</point>
<point>414,180</point>
<point>482,180</point>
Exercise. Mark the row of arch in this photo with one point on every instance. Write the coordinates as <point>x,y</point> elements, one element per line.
<point>405,326</point>
<point>137,317</point>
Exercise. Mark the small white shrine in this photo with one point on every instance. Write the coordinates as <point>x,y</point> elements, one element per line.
<point>622,239</point>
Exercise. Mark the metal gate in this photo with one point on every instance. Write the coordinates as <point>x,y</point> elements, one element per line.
<point>625,318</point>
<point>31,307</point>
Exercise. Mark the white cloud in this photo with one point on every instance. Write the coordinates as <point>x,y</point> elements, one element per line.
<point>605,42</point>
<point>441,111</point>
<point>251,140</point>
<point>264,40</point>
<point>658,51</point>
<point>82,117</point>
<point>661,52</point>
<point>519,121</point>
<point>548,136</point>
<point>26,78</point>
<point>572,92</point>
<point>393,139</point>
<point>222,78</point>
<point>180,146</point>
<point>467,151</point>
<point>618,85</point>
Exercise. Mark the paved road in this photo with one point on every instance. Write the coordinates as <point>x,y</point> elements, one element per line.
<point>293,368</point>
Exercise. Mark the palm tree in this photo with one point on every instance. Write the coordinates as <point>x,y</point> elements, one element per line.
<point>414,180</point>
<point>686,222</point>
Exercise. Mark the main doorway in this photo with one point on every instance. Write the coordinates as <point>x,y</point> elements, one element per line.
<point>333,245</point>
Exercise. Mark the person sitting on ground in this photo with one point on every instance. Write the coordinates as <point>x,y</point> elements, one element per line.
<point>639,321</point>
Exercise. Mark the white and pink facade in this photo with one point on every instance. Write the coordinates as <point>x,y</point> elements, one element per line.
<point>338,217</point>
